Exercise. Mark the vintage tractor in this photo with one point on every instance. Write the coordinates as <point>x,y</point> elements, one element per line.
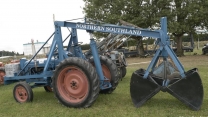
<point>77,81</point>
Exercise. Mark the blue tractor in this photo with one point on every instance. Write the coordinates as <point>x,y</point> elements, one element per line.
<point>77,81</point>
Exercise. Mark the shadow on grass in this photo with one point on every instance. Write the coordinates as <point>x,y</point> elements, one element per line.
<point>171,104</point>
<point>41,96</point>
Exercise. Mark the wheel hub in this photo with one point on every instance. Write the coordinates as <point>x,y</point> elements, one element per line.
<point>74,85</point>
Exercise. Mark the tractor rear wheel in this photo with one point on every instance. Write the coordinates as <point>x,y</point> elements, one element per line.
<point>75,83</point>
<point>2,74</point>
<point>123,69</point>
<point>109,71</point>
<point>119,72</point>
<point>23,92</point>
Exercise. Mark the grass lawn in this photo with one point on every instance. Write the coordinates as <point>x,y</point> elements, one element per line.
<point>117,104</point>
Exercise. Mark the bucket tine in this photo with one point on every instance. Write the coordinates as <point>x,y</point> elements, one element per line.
<point>188,90</point>
<point>142,89</point>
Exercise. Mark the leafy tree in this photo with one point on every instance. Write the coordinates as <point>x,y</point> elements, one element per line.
<point>7,53</point>
<point>111,11</point>
<point>183,15</point>
<point>85,46</point>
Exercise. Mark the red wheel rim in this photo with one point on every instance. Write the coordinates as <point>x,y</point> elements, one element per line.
<point>2,74</point>
<point>72,84</point>
<point>106,72</point>
<point>21,94</point>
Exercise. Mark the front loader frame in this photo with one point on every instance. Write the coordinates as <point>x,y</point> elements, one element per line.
<point>43,78</point>
<point>57,54</point>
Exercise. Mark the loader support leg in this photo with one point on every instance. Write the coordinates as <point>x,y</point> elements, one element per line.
<point>103,84</point>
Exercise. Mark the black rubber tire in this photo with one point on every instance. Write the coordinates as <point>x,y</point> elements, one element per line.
<point>203,52</point>
<point>123,69</point>
<point>28,92</point>
<point>113,71</point>
<point>92,79</point>
<point>48,89</point>
<point>119,72</point>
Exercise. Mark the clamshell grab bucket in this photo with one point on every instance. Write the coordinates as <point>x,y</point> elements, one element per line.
<point>188,90</point>
<point>142,89</point>
<point>167,76</point>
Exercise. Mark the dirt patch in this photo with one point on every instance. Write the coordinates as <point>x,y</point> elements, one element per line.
<point>193,61</point>
<point>138,59</point>
<point>137,62</point>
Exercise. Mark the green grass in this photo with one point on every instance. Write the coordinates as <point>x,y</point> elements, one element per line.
<point>117,104</point>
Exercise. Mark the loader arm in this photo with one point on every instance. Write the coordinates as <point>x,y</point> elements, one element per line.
<point>160,35</point>
<point>110,29</point>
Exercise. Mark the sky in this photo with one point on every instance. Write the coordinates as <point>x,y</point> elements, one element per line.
<point>23,20</point>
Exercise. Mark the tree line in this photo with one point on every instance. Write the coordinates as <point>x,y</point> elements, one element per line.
<point>133,42</point>
<point>201,37</point>
<point>8,53</point>
<point>183,15</point>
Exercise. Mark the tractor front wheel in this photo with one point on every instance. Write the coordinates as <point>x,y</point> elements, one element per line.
<point>75,83</point>
<point>23,92</point>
